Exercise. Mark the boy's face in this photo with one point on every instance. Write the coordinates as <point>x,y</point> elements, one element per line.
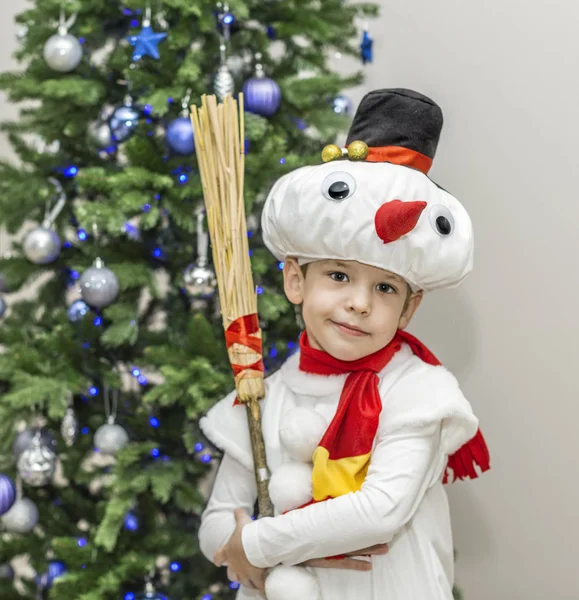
<point>350,309</point>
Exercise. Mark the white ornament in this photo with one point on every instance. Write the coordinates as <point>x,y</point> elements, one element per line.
<point>290,486</point>
<point>37,463</point>
<point>99,286</point>
<point>290,583</point>
<point>62,52</point>
<point>110,438</point>
<point>42,246</point>
<point>22,517</point>
<point>301,431</point>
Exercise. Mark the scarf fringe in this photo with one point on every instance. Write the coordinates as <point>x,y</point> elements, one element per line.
<point>462,462</point>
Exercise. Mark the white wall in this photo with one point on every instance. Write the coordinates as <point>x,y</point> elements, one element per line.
<point>506,75</point>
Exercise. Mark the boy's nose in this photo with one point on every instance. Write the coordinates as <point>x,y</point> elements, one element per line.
<point>396,218</point>
<point>360,301</point>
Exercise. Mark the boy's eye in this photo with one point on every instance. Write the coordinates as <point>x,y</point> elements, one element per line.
<point>337,276</point>
<point>385,288</point>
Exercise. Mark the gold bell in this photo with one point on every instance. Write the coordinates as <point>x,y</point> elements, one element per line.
<point>357,150</point>
<point>331,152</point>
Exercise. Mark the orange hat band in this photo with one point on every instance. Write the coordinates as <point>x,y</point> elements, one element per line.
<point>400,156</point>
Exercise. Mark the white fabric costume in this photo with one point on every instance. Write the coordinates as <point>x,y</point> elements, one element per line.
<point>425,417</point>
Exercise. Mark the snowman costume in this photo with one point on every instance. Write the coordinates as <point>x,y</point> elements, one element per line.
<point>358,456</point>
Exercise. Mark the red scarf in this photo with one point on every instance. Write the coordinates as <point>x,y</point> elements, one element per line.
<point>343,455</point>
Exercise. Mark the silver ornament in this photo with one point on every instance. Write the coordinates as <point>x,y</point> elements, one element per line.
<point>3,307</point>
<point>24,440</point>
<point>99,286</point>
<point>22,517</point>
<point>100,134</point>
<point>110,438</point>
<point>37,464</point>
<point>69,427</point>
<point>223,83</point>
<point>62,52</point>
<point>199,281</point>
<point>42,246</point>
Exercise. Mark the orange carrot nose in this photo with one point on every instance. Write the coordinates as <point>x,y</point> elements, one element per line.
<point>396,218</point>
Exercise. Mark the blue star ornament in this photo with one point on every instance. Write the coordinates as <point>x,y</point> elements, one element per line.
<point>366,48</point>
<point>146,43</point>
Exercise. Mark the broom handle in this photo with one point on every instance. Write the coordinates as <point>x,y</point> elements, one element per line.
<point>259,461</point>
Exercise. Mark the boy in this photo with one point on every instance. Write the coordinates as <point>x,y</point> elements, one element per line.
<point>360,426</point>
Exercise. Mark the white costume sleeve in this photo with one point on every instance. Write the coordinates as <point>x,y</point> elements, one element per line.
<point>234,487</point>
<point>404,465</point>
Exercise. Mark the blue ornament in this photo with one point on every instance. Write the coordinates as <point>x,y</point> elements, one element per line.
<point>262,95</point>
<point>123,121</point>
<point>7,493</point>
<point>77,311</point>
<point>6,572</point>
<point>131,522</point>
<point>179,136</point>
<point>366,48</point>
<point>146,42</point>
<point>56,569</point>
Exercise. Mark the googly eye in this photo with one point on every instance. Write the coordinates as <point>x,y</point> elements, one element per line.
<point>338,186</point>
<point>441,220</point>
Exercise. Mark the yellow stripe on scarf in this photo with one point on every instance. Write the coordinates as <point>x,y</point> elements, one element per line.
<point>335,477</point>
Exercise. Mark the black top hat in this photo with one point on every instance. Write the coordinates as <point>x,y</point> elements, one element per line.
<point>399,126</point>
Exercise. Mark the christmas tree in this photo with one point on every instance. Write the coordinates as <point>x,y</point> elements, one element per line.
<point>118,348</point>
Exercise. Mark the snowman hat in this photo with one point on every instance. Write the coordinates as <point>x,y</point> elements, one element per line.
<point>373,202</point>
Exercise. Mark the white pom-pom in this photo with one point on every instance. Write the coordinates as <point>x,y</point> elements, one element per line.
<point>290,486</point>
<point>301,431</point>
<point>290,583</point>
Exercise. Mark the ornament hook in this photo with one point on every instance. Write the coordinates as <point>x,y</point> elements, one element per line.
<point>50,215</point>
<point>202,238</point>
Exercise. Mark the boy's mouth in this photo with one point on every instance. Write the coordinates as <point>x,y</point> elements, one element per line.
<point>349,329</point>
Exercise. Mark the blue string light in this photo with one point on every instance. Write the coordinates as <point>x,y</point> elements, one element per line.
<point>136,372</point>
<point>207,597</point>
<point>129,596</point>
<point>146,207</point>
<point>206,458</point>
<point>282,160</point>
<point>155,452</point>
<point>66,244</point>
<point>93,390</point>
<point>82,542</point>
<point>98,321</point>
<point>70,171</point>
<point>228,19</point>
<point>84,430</point>
<point>157,253</point>
<point>199,446</point>
<point>291,345</point>
<point>74,274</point>
<point>259,290</point>
<point>134,23</point>
<point>273,352</point>
<point>175,566</point>
<point>154,422</point>
<point>280,266</point>
<point>131,522</point>
<point>81,233</point>
<point>142,380</point>
<point>183,178</point>
<point>147,109</point>
<point>234,585</point>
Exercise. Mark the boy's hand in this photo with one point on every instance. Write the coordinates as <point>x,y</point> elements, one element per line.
<point>234,556</point>
<point>349,563</point>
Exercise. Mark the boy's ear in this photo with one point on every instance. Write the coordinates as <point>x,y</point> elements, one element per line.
<point>293,281</point>
<point>411,307</point>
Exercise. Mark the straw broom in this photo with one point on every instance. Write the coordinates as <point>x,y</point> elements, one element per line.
<point>219,141</point>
